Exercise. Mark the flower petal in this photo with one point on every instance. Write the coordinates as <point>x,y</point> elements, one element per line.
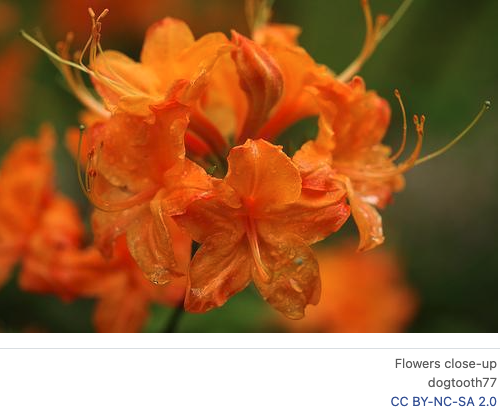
<point>185,183</point>
<point>153,240</point>
<point>369,223</point>
<point>165,40</point>
<point>263,175</point>
<point>220,212</point>
<point>121,82</point>
<point>358,118</point>
<point>133,154</point>
<point>219,269</point>
<point>293,274</point>
<point>313,217</point>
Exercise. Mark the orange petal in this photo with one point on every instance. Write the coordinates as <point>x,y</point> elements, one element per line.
<point>358,119</point>
<point>220,212</point>
<point>165,40</point>
<point>220,269</point>
<point>149,238</point>
<point>260,79</point>
<point>224,102</point>
<point>185,183</point>
<point>314,163</point>
<point>202,54</point>
<point>313,217</point>
<point>263,175</point>
<point>369,223</point>
<point>106,227</point>
<point>122,83</point>
<point>293,271</point>
<point>133,154</point>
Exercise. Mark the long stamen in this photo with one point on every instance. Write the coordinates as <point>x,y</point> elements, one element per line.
<point>76,83</point>
<point>485,107</point>
<point>405,127</point>
<point>93,48</point>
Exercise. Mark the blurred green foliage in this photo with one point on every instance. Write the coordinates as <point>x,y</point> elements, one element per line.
<point>442,56</point>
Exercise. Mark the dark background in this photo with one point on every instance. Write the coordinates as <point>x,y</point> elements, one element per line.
<point>442,56</point>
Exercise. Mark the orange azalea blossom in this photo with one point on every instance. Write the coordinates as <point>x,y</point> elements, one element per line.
<point>26,189</point>
<point>256,225</point>
<point>348,149</point>
<point>129,162</point>
<point>55,262</point>
<point>361,292</point>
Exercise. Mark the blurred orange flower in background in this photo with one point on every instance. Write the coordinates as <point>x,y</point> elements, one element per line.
<point>26,190</point>
<point>361,292</point>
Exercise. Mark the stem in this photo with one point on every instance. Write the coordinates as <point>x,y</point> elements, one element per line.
<point>175,319</point>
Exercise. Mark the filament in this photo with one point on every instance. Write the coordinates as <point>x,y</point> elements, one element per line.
<point>485,107</point>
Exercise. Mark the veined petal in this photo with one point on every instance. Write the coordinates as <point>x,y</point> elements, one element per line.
<point>201,55</point>
<point>165,40</point>
<point>219,269</point>
<point>106,227</point>
<point>224,102</point>
<point>313,217</point>
<point>366,217</point>
<point>314,163</point>
<point>263,175</point>
<point>151,243</point>
<point>133,154</point>
<point>369,223</point>
<point>117,79</point>
<point>220,212</point>
<point>293,274</point>
<point>358,118</point>
<point>185,183</point>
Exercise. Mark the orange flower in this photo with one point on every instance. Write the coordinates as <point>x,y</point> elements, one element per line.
<point>361,292</point>
<point>257,225</point>
<point>56,263</point>
<point>351,126</point>
<point>26,188</point>
<point>129,162</point>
